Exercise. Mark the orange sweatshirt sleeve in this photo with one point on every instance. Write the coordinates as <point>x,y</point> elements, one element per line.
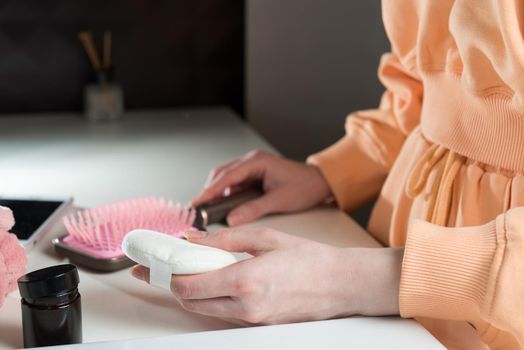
<point>356,166</point>
<point>476,272</point>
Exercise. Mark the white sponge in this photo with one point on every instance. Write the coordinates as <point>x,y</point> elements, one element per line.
<point>166,255</point>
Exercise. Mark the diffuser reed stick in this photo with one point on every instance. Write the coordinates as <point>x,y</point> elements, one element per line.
<point>103,99</point>
<point>89,45</point>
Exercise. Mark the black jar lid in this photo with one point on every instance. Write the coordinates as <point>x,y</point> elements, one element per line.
<point>48,282</point>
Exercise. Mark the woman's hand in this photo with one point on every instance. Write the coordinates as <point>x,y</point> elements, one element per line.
<point>289,279</point>
<point>289,186</point>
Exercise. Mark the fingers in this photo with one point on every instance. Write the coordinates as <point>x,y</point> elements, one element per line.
<point>216,172</point>
<point>233,240</point>
<point>204,294</point>
<point>199,294</point>
<point>140,272</point>
<point>269,203</point>
<point>248,168</point>
<point>236,175</point>
<point>254,241</point>
<point>219,170</point>
<point>214,284</point>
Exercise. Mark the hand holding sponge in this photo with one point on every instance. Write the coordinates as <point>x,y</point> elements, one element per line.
<point>166,255</point>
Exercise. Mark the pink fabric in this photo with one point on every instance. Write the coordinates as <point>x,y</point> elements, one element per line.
<point>12,255</point>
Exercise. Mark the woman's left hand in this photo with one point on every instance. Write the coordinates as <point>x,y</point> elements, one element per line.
<point>290,279</point>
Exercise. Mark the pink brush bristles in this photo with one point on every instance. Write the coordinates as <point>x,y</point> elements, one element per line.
<point>100,231</point>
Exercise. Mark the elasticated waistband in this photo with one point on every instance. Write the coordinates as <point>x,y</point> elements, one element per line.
<point>488,129</point>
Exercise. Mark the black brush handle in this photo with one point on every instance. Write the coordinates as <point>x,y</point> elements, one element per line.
<point>217,211</point>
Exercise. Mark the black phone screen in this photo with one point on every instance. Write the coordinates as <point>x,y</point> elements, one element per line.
<point>29,214</point>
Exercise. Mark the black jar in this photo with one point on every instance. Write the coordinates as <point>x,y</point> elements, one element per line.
<point>51,310</point>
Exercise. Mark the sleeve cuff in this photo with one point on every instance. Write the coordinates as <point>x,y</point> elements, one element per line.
<point>446,271</point>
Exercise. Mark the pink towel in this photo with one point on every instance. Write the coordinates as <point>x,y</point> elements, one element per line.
<point>12,255</point>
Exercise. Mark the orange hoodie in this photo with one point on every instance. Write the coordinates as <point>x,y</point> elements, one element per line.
<point>445,153</point>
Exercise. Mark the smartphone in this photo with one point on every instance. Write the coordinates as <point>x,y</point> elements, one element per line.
<point>34,217</point>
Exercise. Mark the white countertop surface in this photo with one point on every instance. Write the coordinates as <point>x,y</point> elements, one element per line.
<point>163,153</point>
<point>343,334</point>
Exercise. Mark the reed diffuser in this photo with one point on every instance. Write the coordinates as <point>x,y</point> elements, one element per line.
<point>103,100</point>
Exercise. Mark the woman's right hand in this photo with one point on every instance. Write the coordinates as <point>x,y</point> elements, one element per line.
<point>288,186</point>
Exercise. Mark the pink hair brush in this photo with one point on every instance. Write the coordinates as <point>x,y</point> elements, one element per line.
<point>95,235</point>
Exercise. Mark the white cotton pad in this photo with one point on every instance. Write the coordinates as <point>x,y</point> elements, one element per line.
<point>166,255</point>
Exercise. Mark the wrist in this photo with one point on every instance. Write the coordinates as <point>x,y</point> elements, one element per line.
<point>372,280</point>
<point>321,184</point>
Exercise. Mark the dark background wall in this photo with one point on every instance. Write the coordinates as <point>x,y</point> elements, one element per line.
<point>309,64</point>
<point>167,53</point>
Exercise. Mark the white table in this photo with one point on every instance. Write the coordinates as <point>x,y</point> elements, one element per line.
<point>161,153</point>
